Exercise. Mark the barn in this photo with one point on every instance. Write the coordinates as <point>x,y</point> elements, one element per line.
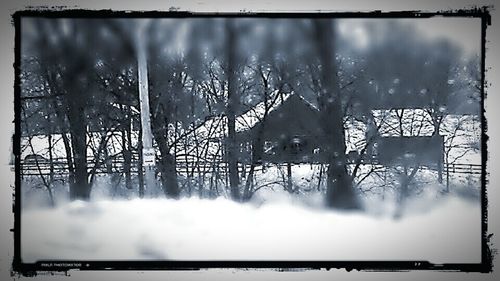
<point>289,133</point>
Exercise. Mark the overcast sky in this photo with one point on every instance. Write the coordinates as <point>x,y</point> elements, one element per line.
<point>464,32</point>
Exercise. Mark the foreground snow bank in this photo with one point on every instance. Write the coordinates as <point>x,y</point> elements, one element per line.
<point>195,229</point>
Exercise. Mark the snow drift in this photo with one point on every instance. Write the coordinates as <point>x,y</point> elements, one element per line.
<point>201,229</point>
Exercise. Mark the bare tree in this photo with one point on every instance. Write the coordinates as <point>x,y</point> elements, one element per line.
<point>340,193</point>
<point>232,103</point>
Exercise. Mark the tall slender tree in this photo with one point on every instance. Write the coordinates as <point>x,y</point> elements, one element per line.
<point>232,103</point>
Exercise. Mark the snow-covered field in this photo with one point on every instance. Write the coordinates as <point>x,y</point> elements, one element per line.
<point>443,230</point>
<point>275,225</point>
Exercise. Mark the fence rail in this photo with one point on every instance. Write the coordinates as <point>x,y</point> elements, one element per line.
<point>59,166</point>
<point>463,168</point>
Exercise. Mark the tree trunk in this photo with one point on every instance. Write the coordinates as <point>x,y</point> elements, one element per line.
<point>79,188</point>
<point>257,143</point>
<point>169,174</point>
<point>231,152</point>
<point>257,151</point>
<point>140,174</point>
<point>404,189</point>
<point>289,185</point>
<point>340,192</point>
<point>67,146</point>
<point>320,176</point>
<point>169,182</point>
<point>69,158</point>
<point>51,159</point>
<point>186,163</point>
<point>126,147</point>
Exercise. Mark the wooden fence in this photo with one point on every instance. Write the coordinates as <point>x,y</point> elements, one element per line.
<point>59,167</point>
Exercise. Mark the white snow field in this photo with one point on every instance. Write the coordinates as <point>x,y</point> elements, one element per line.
<point>443,230</point>
<point>274,226</point>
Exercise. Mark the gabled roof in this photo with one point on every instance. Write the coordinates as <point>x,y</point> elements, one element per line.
<point>244,121</point>
<point>295,116</point>
<point>215,128</point>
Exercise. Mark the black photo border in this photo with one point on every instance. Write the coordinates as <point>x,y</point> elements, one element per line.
<point>30,269</point>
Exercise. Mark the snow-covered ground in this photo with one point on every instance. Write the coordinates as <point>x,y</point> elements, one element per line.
<point>440,230</point>
<point>275,225</point>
